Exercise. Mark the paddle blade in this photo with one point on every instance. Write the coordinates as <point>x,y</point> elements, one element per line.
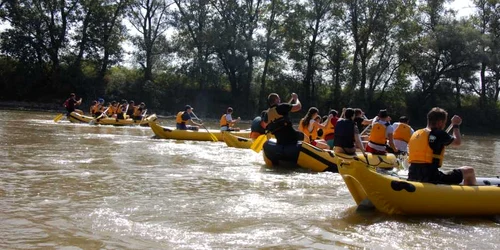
<point>258,143</point>
<point>58,117</point>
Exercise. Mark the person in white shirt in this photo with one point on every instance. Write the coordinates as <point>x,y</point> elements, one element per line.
<point>402,134</point>
<point>381,132</point>
<point>227,122</point>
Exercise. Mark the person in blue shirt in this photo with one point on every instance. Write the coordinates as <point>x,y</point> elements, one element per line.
<point>183,117</point>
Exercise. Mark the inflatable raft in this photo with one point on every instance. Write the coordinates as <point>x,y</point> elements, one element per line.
<point>77,118</point>
<point>234,141</point>
<point>305,155</point>
<point>200,135</point>
<point>395,195</point>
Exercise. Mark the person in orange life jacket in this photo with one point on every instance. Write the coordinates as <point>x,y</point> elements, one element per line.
<point>329,130</point>
<point>402,134</point>
<point>138,111</point>
<point>71,103</point>
<point>93,108</point>
<point>278,120</point>
<point>361,120</point>
<point>113,106</point>
<point>309,126</point>
<point>426,151</point>
<point>320,120</point>
<point>382,132</point>
<point>227,122</point>
<point>120,111</point>
<point>346,134</point>
<point>258,126</point>
<point>185,116</point>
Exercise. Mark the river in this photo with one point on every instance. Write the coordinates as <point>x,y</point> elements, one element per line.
<point>76,186</point>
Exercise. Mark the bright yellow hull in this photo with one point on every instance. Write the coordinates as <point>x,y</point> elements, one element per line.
<point>200,135</point>
<point>393,195</point>
<point>77,118</point>
<point>234,141</point>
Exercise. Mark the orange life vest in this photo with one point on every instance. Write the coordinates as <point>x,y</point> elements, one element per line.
<point>420,151</point>
<point>402,132</point>
<point>308,135</point>
<point>178,118</point>
<point>137,111</point>
<point>223,121</point>
<point>329,129</point>
<point>377,135</point>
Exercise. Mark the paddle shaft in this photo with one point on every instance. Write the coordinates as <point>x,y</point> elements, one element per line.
<point>214,138</point>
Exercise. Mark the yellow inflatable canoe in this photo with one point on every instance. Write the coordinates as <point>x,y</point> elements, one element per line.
<point>305,155</point>
<point>200,135</point>
<point>394,195</point>
<point>234,141</point>
<point>77,118</point>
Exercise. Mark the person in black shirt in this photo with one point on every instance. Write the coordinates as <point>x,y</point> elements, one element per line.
<point>347,135</point>
<point>278,120</point>
<point>71,103</point>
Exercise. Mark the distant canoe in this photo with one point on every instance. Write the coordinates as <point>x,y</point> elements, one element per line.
<point>200,135</point>
<point>77,118</point>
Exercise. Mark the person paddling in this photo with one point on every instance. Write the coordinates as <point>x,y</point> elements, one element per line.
<point>185,116</point>
<point>309,126</point>
<point>347,134</point>
<point>427,147</point>
<point>227,122</point>
<point>382,132</point>
<point>71,103</point>
<point>258,126</point>
<point>278,120</point>
<point>402,134</point>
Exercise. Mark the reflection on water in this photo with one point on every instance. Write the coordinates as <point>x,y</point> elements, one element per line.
<point>91,187</point>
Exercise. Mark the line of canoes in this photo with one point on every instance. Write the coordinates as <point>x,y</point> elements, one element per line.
<point>368,181</point>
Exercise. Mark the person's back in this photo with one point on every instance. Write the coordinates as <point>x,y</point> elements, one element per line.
<point>278,121</point>
<point>426,152</point>
<point>258,126</point>
<point>344,133</point>
<point>402,134</point>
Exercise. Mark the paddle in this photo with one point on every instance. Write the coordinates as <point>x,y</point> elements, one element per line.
<point>92,122</point>
<point>212,136</point>
<point>259,143</point>
<point>59,117</point>
<point>449,128</point>
<point>143,116</point>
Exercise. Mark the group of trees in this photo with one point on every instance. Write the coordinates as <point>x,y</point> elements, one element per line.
<point>404,55</point>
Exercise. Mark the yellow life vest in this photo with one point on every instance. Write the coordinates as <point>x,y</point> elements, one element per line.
<point>223,121</point>
<point>137,111</point>
<point>329,129</point>
<point>377,135</point>
<point>178,118</point>
<point>402,132</point>
<point>420,151</point>
<point>275,121</point>
<point>305,130</point>
<point>95,108</point>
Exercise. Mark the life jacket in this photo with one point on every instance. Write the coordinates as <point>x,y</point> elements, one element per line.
<point>420,151</point>
<point>178,118</point>
<point>329,129</point>
<point>94,109</point>
<point>223,121</point>
<point>312,135</point>
<point>111,110</point>
<point>402,132</point>
<point>119,109</point>
<point>276,121</point>
<point>344,133</point>
<point>377,135</point>
<point>137,111</point>
<point>257,125</point>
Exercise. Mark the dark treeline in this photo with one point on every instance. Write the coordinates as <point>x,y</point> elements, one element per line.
<point>403,55</point>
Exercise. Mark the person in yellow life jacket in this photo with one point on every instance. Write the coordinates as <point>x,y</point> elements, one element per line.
<point>309,126</point>
<point>93,108</point>
<point>402,134</point>
<point>426,151</point>
<point>258,126</point>
<point>278,120</point>
<point>382,132</point>
<point>183,117</point>
<point>227,122</point>
<point>139,111</point>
